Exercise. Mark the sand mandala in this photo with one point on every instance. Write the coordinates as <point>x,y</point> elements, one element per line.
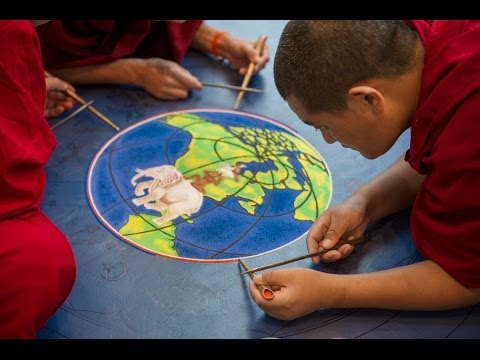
<point>208,185</point>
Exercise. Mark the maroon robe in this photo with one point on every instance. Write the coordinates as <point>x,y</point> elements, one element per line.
<point>37,267</point>
<point>445,145</point>
<point>73,43</point>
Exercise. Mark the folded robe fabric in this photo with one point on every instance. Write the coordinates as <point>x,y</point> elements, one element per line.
<point>73,43</point>
<point>445,222</point>
<point>37,268</point>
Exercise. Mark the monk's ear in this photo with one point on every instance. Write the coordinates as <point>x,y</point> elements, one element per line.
<point>367,96</point>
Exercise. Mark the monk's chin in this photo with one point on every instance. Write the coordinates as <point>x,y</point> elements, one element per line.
<point>370,156</point>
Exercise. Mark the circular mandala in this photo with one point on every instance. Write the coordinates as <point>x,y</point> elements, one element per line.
<point>208,185</point>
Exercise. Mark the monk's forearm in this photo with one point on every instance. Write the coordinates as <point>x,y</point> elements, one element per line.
<point>205,36</point>
<point>393,190</point>
<point>122,71</point>
<point>420,286</point>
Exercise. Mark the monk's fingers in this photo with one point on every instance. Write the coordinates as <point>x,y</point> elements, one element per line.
<point>345,250</point>
<point>54,111</point>
<point>169,89</point>
<point>257,68</point>
<point>174,93</point>
<point>55,84</point>
<point>56,95</point>
<point>331,256</point>
<point>265,56</point>
<point>50,103</point>
<point>185,78</point>
<point>335,255</point>
<point>255,293</point>
<point>59,109</point>
<point>276,287</point>
<point>67,103</point>
<point>262,61</point>
<point>242,70</point>
<point>49,112</point>
<point>251,54</point>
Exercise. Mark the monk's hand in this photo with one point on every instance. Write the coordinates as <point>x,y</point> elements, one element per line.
<point>346,220</point>
<point>297,292</point>
<point>57,99</point>
<point>240,53</point>
<point>166,80</point>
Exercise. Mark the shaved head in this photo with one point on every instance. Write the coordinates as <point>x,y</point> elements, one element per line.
<point>318,61</point>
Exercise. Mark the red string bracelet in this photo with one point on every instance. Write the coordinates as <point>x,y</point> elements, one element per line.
<point>215,40</point>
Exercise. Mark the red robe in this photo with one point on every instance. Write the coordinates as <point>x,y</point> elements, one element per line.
<point>445,145</point>
<point>37,267</point>
<point>73,43</point>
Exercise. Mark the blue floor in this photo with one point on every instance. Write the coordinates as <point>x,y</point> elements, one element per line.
<point>123,292</point>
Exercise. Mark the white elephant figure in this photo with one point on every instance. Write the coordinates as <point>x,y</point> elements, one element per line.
<point>168,190</point>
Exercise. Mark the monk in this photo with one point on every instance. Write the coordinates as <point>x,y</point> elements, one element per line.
<point>142,53</point>
<point>363,83</point>
<point>37,268</point>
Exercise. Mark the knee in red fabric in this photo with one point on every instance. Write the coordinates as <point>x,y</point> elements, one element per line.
<point>37,273</point>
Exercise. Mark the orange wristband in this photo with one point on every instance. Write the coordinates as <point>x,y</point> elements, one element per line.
<point>215,40</point>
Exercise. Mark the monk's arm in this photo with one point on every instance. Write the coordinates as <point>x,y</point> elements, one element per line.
<point>132,70</point>
<point>423,286</point>
<point>204,37</point>
<point>393,190</point>
<point>420,286</point>
<point>121,71</point>
<point>163,79</point>
<point>239,52</point>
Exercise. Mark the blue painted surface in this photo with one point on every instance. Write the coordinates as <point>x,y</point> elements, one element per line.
<point>122,292</point>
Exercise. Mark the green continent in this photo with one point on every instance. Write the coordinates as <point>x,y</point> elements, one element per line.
<point>313,199</point>
<point>142,230</point>
<point>249,206</point>
<point>235,145</point>
<point>207,140</point>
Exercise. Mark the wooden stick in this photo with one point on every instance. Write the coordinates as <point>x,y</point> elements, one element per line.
<point>354,241</point>
<point>94,111</point>
<point>266,291</point>
<point>259,48</point>
<point>232,87</point>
